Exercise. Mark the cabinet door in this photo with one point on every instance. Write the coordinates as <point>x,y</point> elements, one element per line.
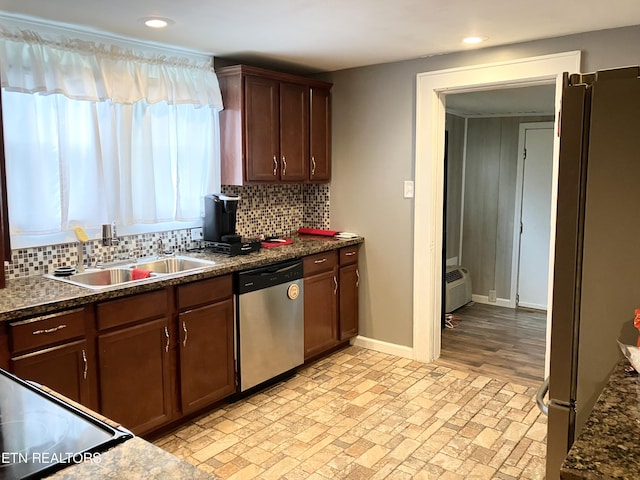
<point>207,372</point>
<point>320,135</point>
<point>64,368</point>
<point>349,283</point>
<point>262,129</point>
<point>135,376</point>
<point>294,132</point>
<point>320,312</point>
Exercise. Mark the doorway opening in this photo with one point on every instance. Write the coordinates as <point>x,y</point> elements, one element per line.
<point>498,165</point>
<point>432,89</point>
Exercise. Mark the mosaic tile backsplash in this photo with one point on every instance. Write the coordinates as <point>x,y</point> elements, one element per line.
<point>279,210</point>
<point>273,210</point>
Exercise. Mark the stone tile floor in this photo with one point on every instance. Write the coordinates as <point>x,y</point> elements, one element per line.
<point>360,414</point>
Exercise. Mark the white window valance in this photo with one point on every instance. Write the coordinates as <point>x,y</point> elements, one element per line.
<point>88,70</point>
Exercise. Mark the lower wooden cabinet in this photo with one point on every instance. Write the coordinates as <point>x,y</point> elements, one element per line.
<point>331,283</point>
<point>54,351</point>
<point>166,353</point>
<point>320,303</point>
<point>63,368</point>
<point>135,376</point>
<point>207,372</point>
<point>349,283</point>
<point>349,279</point>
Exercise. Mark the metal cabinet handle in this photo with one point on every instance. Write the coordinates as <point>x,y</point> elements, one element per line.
<point>275,165</point>
<point>357,278</point>
<point>166,334</point>
<point>186,334</point>
<point>284,166</point>
<point>542,391</point>
<point>349,254</point>
<point>86,365</point>
<point>313,165</point>
<point>49,330</point>
<point>335,282</point>
<point>322,260</point>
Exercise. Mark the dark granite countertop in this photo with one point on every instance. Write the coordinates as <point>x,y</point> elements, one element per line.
<point>37,295</point>
<point>132,460</point>
<point>609,445</point>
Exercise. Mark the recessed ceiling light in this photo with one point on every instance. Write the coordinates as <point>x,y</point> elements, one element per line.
<point>473,40</point>
<point>157,22</point>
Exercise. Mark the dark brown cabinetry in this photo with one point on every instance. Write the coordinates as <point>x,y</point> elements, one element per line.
<point>134,351</point>
<point>205,326</point>
<point>63,368</point>
<point>294,132</point>
<point>320,135</point>
<point>331,283</point>
<point>349,285</point>
<point>274,127</point>
<point>320,303</point>
<point>276,130</point>
<point>52,351</point>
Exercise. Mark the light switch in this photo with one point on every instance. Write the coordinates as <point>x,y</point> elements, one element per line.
<point>408,189</point>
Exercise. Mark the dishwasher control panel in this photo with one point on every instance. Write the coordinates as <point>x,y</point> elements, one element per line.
<point>268,276</point>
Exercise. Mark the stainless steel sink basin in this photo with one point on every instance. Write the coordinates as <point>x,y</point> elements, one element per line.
<point>108,277</point>
<point>99,278</point>
<point>173,264</point>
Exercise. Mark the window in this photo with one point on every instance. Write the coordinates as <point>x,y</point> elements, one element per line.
<point>136,142</point>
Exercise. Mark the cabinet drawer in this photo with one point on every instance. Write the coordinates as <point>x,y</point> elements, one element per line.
<point>349,255</point>
<point>320,262</point>
<point>204,291</point>
<point>47,330</point>
<point>132,309</point>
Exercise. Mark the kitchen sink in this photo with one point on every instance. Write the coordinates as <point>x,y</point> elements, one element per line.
<point>108,277</point>
<point>99,278</point>
<point>173,264</point>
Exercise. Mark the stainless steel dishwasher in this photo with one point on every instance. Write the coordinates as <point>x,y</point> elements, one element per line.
<point>270,322</point>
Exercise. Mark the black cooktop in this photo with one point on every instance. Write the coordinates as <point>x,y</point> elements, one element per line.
<point>243,247</point>
<point>40,434</point>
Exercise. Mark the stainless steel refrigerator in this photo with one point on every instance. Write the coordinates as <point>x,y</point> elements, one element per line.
<point>597,253</point>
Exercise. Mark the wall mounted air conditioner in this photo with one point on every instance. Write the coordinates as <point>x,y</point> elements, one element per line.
<point>457,288</point>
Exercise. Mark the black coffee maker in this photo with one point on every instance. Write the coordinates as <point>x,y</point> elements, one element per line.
<point>219,227</point>
<point>220,218</point>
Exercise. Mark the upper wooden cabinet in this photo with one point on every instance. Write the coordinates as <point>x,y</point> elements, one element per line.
<point>320,135</point>
<point>274,128</point>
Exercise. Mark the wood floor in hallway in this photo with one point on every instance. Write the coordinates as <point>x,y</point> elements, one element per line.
<point>502,343</point>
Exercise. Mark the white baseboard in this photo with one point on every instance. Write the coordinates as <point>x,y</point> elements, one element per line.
<point>535,306</point>
<point>383,347</point>
<point>500,302</point>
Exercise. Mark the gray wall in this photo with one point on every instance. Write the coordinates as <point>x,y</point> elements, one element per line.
<point>373,153</point>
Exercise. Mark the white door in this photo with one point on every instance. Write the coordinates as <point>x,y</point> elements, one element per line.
<point>535,221</point>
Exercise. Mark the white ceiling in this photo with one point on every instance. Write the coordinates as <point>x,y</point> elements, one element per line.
<point>328,35</point>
